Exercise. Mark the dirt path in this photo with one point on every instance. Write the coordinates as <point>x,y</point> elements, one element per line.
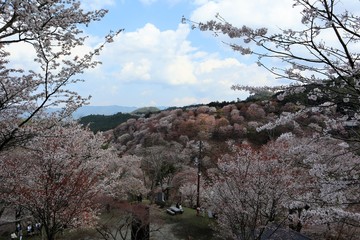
<point>164,232</point>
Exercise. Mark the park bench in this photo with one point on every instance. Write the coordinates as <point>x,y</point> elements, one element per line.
<point>174,210</point>
<point>169,211</point>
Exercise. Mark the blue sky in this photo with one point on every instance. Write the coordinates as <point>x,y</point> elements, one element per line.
<point>157,61</point>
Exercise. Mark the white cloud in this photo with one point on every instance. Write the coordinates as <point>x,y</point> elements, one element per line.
<point>136,71</point>
<point>272,14</point>
<point>213,64</point>
<point>220,74</point>
<point>22,56</point>
<point>185,101</point>
<point>182,74</point>
<point>180,71</point>
<point>151,54</point>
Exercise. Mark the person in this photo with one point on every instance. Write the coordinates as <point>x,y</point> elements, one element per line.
<point>18,227</point>
<point>177,205</point>
<point>203,212</point>
<point>20,235</point>
<point>19,231</point>
<point>38,227</point>
<point>29,229</point>
<point>180,207</point>
<point>139,197</point>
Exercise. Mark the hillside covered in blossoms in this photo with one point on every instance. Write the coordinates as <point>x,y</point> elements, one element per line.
<point>229,138</point>
<point>282,164</point>
<point>217,123</point>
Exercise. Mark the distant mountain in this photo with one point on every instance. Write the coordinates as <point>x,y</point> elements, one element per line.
<point>101,110</point>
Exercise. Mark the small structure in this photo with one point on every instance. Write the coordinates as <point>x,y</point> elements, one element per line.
<point>160,199</point>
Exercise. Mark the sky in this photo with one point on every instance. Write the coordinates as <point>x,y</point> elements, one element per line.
<point>159,61</point>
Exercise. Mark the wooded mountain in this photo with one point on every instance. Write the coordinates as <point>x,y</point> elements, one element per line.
<point>101,110</point>
<point>104,123</point>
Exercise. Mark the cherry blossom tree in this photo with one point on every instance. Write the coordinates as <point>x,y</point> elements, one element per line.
<point>329,184</point>
<point>304,183</point>
<point>188,193</point>
<point>322,57</point>
<point>160,164</point>
<point>185,184</point>
<point>55,178</point>
<point>248,192</point>
<point>51,29</point>
<point>124,178</point>
<point>125,220</point>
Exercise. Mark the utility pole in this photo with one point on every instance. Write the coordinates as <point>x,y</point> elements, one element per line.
<point>198,177</point>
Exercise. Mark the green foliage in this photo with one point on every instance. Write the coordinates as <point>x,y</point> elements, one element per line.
<point>257,138</point>
<point>146,110</point>
<point>103,123</point>
<point>166,169</point>
<point>260,96</point>
<point>218,104</point>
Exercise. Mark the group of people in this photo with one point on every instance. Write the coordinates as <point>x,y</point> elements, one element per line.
<point>30,229</point>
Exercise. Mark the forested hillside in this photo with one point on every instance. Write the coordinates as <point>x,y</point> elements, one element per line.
<point>103,123</point>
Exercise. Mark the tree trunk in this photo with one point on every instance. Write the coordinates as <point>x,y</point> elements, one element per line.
<point>140,227</point>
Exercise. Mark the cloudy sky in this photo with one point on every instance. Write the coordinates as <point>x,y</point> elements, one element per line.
<point>158,61</point>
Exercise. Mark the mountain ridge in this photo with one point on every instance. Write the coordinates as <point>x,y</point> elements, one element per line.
<point>102,110</point>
